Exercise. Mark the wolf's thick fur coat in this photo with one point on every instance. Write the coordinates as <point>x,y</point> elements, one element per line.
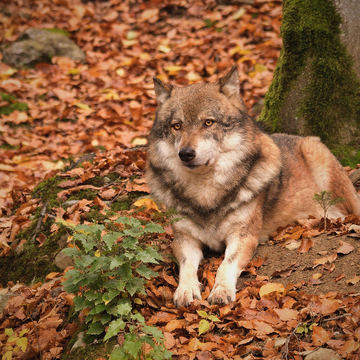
<point>232,183</point>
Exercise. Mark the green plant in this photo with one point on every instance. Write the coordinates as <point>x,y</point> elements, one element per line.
<point>304,328</point>
<point>14,343</point>
<point>204,324</point>
<point>110,269</point>
<point>325,200</point>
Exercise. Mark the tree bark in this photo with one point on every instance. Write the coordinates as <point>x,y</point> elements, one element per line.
<point>349,11</point>
<point>316,86</point>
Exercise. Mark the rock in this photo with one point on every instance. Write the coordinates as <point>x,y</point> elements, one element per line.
<point>355,176</point>
<point>62,261</point>
<point>39,45</point>
<point>69,203</point>
<point>79,342</point>
<point>56,292</point>
<point>323,354</point>
<point>20,248</point>
<point>4,298</point>
<point>62,242</point>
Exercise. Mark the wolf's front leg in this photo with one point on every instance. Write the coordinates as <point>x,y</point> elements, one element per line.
<point>188,253</point>
<point>238,254</point>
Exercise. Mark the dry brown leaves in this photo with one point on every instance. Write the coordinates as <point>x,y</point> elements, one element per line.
<point>109,101</point>
<point>257,324</point>
<point>123,163</point>
<point>108,104</point>
<point>43,310</point>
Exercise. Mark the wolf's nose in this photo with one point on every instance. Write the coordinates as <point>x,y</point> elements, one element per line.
<point>187,154</point>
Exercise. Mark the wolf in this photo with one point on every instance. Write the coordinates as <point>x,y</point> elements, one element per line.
<point>231,182</point>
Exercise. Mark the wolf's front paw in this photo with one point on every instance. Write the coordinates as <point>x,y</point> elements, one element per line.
<point>186,294</point>
<point>222,294</point>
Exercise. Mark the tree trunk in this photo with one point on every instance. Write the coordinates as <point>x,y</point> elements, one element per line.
<point>316,86</point>
<point>350,27</point>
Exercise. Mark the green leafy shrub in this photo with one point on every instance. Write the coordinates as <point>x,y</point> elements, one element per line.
<point>110,269</point>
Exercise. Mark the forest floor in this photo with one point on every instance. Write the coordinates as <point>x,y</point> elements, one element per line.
<point>303,278</point>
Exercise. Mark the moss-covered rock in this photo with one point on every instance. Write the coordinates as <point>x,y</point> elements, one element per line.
<point>315,90</point>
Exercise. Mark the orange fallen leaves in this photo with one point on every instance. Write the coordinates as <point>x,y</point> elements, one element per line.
<point>306,245</point>
<point>108,105</point>
<point>345,248</point>
<point>319,336</point>
<point>325,260</point>
<point>148,203</point>
<point>30,310</point>
<point>271,287</point>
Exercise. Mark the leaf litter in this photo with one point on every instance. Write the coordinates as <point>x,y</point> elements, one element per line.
<point>105,107</point>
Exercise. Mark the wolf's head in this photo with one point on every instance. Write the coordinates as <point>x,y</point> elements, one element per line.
<point>196,124</point>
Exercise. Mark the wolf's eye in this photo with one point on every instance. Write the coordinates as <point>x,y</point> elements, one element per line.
<point>177,126</point>
<point>208,122</point>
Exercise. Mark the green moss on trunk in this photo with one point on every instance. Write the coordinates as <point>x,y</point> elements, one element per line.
<point>330,96</point>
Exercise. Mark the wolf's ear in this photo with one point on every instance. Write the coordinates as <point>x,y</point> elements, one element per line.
<point>230,86</point>
<point>162,91</point>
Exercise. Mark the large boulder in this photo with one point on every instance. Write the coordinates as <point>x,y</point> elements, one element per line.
<point>40,45</point>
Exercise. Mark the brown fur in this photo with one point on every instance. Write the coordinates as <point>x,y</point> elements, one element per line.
<point>232,183</point>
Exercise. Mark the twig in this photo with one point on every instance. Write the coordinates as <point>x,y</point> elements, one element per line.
<point>112,183</point>
<point>336,317</point>
<point>39,222</point>
<point>285,349</point>
<point>119,194</point>
<point>86,157</point>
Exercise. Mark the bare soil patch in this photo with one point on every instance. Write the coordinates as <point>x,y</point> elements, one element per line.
<point>291,267</point>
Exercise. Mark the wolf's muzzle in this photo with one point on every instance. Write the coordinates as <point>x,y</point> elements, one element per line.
<point>187,154</point>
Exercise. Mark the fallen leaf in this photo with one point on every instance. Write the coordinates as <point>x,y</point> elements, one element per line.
<point>287,314</point>
<point>319,335</point>
<point>150,14</point>
<point>345,248</point>
<point>161,317</point>
<point>349,347</point>
<point>353,281</point>
<point>175,324</point>
<point>326,259</point>
<point>111,16</point>
<point>355,228</point>
<point>293,245</point>
<point>271,287</point>
<point>325,306</point>
<point>204,326</point>
<point>313,281</point>
<point>317,276</point>
<point>306,245</point>
<point>169,340</point>
<point>148,203</point>
<point>282,273</point>
<point>52,276</point>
